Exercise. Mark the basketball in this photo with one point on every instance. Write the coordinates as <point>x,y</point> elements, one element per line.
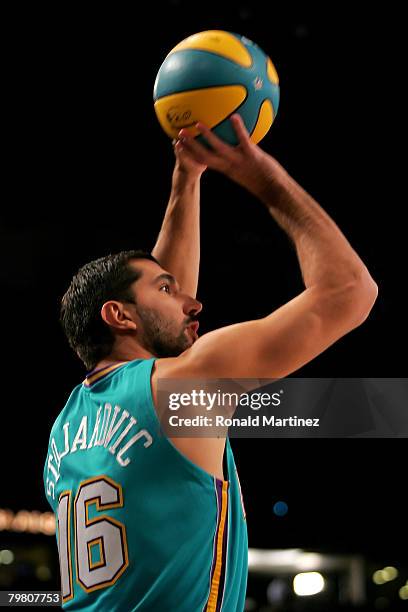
<point>211,75</point>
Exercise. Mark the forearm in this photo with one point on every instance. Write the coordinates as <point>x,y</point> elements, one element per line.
<point>178,245</point>
<point>325,256</point>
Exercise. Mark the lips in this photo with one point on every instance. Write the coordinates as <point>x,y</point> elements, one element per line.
<point>194,326</point>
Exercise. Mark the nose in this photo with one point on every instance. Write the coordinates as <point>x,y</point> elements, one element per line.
<point>192,307</point>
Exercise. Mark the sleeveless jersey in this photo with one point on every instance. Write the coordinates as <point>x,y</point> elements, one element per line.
<point>139,525</point>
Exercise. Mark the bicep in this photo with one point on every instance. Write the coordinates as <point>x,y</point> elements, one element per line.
<point>275,346</point>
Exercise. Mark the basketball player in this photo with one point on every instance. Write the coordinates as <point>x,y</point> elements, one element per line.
<point>148,523</point>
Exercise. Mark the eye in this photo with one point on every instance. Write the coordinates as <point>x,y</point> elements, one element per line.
<point>165,287</point>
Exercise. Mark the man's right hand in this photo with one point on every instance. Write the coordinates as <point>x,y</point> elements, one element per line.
<point>244,164</point>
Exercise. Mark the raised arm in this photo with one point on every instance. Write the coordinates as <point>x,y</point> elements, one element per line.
<point>339,291</point>
<point>178,244</point>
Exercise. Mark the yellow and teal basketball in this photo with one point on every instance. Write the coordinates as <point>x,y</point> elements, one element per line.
<point>211,75</point>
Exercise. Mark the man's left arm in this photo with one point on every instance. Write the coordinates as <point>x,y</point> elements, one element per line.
<point>178,245</point>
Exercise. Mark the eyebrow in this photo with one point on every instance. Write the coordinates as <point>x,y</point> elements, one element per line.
<point>165,276</point>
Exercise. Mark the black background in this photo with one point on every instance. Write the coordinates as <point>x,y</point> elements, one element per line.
<point>87,171</point>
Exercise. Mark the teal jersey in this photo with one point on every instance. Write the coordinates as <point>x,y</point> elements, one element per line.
<point>139,525</point>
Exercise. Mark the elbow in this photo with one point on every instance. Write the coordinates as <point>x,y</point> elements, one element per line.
<point>347,306</point>
<point>362,300</point>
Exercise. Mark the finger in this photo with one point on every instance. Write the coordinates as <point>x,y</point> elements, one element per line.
<point>216,143</point>
<point>240,130</point>
<point>182,155</point>
<point>182,150</point>
<point>178,148</point>
<point>199,152</point>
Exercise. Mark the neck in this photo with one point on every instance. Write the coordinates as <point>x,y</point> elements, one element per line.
<point>124,353</point>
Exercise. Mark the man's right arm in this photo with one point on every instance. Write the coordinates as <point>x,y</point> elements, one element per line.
<point>325,256</point>
<point>339,290</point>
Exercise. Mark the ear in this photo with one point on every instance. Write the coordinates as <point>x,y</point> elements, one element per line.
<point>117,315</point>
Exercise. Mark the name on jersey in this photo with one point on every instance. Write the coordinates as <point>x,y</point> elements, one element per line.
<point>110,431</point>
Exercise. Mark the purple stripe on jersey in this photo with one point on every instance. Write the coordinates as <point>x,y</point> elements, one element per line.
<point>224,563</point>
<point>219,485</point>
<point>95,371</point>
<point>109,369</point>
<point>218,489</point>
<point>89,383</point>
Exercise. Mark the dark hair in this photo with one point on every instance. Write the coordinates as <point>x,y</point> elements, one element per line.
<point>107,278</point>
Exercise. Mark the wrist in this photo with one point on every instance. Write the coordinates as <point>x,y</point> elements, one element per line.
<point>184,177</point>
<point>261,172</point>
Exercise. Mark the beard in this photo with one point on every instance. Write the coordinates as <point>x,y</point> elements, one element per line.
<point>160,336</point>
